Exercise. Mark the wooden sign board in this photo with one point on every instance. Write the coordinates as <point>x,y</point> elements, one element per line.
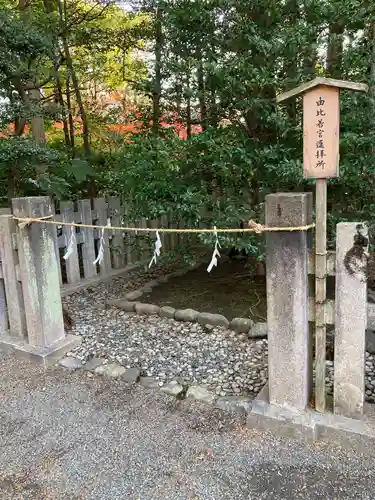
<point>321,127</point>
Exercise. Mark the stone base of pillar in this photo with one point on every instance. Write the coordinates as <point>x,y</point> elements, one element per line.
<point>46,357</point>
<point>310,425</point>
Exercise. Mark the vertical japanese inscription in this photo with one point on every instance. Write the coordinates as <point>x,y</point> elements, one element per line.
<point>321,132</point>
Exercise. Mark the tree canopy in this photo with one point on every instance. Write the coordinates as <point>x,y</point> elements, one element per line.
<point>124,83</point>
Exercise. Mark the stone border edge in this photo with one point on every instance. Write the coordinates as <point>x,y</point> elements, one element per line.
<point>131,304</point>
<point>175,389</point>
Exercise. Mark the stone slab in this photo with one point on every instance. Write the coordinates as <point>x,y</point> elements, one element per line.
<point>125,305</point>
<point>131,375</point>
<point>71,363</point>
<point>234,403</point>
<point>172,388</point>
<point>201,394</point>
<point>258,331</point>
<point>310,425</point>
<point>92,364</point>
<point>167,312</point>
<point>110,370</point>
<point>350,320</point>
<point>44,356</point>
<point>149,309</point>
<point>212,319</point>
<point>289,361</point>
<point>149,382</point>
<point>186,315</point>
<point>241,325</point>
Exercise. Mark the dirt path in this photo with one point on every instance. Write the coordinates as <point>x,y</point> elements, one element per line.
<point>72,436</point>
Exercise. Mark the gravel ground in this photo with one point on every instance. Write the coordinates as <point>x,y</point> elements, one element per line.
<point>65,436</point>
<point>225,362</point>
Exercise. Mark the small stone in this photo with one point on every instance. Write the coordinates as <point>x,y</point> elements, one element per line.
<point>201,394</point>
<point>258,330</point>
<point>71,363</point>
<point>146,308</point>
<point>134,295</point>
<point>111,370</point>
<point>186,315</point>
<point>167,312</point>
<point>131,375</point>
<point>173,388</point>
<point>126,305</point>
<point>212,319</point>
<point>149,382</point>
<point>234,403</point>
<point>241,325</point>
<point>92,364</point>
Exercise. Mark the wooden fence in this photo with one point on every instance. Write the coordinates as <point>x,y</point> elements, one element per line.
<point>34,275</point>
<point>121,248</point>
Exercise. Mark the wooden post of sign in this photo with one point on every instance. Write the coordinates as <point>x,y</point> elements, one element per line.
<point>321,125</point>
<point>320,293</point>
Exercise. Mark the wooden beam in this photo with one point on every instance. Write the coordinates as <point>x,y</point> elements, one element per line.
<point>301,89</point>
<point>331,263</point>
<point>330,313</point>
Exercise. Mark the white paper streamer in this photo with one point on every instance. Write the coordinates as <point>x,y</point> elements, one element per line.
<point>72,242</point>
<point>100,256</point>
<point>216,253</point>
<point>157,250</point>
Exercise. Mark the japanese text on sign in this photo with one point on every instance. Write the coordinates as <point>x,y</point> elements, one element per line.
<point>320,153</point>
<point>321,132</point>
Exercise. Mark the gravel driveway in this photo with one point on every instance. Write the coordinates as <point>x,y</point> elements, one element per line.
<point>70,436</point>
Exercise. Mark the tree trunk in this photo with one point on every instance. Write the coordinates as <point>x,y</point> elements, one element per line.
<point>201,90</point>
<point>70,115</point>
<point>60,99</point>
<point>335,49</point>
<point>156,91</point>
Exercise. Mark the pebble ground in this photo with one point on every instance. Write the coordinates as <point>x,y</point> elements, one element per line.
<point>165,349</point>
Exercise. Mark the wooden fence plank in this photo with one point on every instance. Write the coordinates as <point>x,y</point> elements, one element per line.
<point>4,323</point>
<point>88,247</point>
<point>144,250</point>
<point>117,242</point>
<point>72,263</point>
<point>164,236</point>
<point>13,287</point>
<point>102,218</point>
<point>56,244</point>
<point>172,236</point>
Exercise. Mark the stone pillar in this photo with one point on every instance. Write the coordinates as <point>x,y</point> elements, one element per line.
<point>46,339</point>
<point>289,343</point>
<point>350,318</point>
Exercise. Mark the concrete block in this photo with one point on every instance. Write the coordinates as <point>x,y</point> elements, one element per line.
<point>45,356</point>
<point>350,319</point>
<point>289,360</point>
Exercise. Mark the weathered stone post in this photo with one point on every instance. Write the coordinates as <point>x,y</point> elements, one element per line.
<point>350,318</point>
<point>46,339</point>
<point>289,350</point>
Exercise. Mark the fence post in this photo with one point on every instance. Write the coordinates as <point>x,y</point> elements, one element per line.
<point>72,264</point>
<point>12,283</point>
<point>88,247</point>
<point>46,340</point>
<point>350,318</point>
<point>289,346</point>
<point>117,244</point>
